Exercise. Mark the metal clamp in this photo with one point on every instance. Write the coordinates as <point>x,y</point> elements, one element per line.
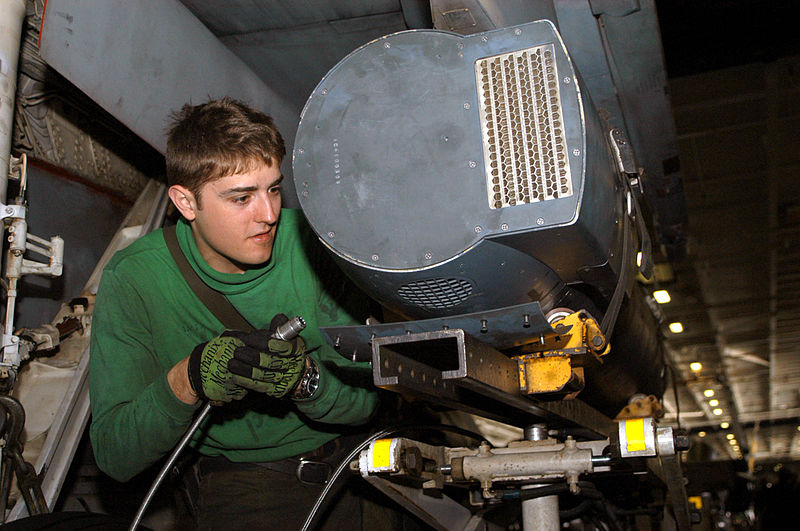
<point>12,211</point>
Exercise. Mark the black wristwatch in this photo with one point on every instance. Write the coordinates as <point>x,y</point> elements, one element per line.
<point>310,382</point>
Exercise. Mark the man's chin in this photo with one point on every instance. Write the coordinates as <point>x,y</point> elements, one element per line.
<point>254,261</point>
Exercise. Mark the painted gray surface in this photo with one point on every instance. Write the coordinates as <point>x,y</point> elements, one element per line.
<point>390,169</point>
<point>143,60</point>
<point>86,219</point>
<point>617,50</point>
<point>390,143</point>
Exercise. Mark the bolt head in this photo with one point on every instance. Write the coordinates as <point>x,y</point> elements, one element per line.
<point>681,440</point>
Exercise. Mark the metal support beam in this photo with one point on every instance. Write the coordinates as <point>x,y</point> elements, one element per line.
<point>474,378</point>
<point>12,15</point>
<point>540,514</point>
<point>143,60</point>
<point>439,512</point>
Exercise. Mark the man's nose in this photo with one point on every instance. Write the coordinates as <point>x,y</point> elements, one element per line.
<point>266,211</point>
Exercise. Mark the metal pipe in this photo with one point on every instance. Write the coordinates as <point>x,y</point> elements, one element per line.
<point>551,463</point>
<point>540,514</point>
<point>12,17</point>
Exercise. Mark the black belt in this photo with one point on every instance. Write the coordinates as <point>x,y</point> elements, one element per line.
<point>310,468</point>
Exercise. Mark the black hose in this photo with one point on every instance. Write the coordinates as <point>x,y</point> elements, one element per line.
<point>587,490</point>
<point>582,507</point>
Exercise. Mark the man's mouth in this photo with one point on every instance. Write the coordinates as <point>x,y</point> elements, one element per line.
<point>262,236</point>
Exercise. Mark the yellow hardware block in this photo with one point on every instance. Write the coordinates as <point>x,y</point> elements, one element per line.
<point>544,374</point>
<point>547,365</point>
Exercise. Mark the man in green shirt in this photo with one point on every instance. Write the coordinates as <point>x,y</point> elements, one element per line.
<point>157,351</point>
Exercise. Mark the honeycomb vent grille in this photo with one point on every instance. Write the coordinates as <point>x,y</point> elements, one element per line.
<point>436,293</point>
<point>524,145</point>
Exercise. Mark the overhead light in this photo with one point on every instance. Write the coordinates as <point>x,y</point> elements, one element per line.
<point>713,402</point>
<point>676,327</point>
<point>708,393</point>
<point>730,436</point>
<point>696,366</point>
<point>661,296</point>
<point>725,425</point>
<point>701,434</point>
<point>732,442</point>
<point>717,411</point>
<point>639,259</point>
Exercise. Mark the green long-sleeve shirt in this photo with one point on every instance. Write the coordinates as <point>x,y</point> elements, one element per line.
<point>146,319</point>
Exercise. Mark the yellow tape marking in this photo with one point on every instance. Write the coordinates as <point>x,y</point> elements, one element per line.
<point>634,432</point>
<point>381,453</point>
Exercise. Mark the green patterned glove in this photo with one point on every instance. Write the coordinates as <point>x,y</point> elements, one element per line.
<point>208,368</point>
<point>268,365</point>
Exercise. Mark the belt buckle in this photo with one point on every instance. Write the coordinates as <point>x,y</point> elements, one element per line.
<point>313,472</point>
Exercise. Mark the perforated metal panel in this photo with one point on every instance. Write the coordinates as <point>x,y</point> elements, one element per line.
<point>436,293</point>
<point>523,134</point>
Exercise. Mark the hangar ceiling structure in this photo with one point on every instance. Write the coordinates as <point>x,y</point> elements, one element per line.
<point>734,97</point>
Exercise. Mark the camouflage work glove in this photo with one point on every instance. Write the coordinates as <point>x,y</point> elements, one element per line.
<point>208,368</point>
<point>268,365</point>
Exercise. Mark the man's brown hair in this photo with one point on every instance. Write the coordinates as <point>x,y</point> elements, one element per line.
<point>219,138</point>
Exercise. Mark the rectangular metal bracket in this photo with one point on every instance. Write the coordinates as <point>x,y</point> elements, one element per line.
<point>452,368</point>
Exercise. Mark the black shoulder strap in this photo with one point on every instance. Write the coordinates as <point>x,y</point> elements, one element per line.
<point>215,301</point>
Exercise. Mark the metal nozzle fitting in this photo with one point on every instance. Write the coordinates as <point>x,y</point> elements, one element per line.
<point>290,329</point>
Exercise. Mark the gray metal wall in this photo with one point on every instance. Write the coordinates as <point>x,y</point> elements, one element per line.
<point>86,218</point>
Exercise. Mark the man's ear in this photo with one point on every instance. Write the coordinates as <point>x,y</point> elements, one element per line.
<point>184,200</point>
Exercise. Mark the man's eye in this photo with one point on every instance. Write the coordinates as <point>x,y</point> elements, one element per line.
<point>275,190</point>
<point>241,199</point>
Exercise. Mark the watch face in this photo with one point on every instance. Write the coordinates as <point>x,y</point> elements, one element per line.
<point>313,380</point>
<point>310,382</point>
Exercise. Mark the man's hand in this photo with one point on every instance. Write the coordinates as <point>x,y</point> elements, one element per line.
<point>267,364</point>
<point>208,368</point>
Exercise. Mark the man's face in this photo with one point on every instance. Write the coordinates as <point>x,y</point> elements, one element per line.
<point>235,219</point>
